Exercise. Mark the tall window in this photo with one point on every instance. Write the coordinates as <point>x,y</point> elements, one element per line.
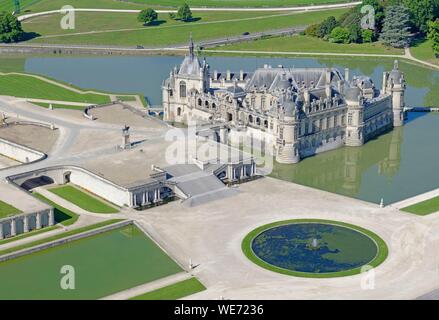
<point>182,89</point>
<point>350,119</point>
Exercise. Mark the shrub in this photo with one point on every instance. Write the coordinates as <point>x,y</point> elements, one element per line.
<point>340,35</point>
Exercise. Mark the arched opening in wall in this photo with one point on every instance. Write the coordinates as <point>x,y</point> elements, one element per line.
<point>258,121</point>
<point>213,106</point>
<point>266,124</point>
<point>200,102</point>
<point>206,104</point>
<point>66,177</point>
<point>250,118</point>
<point>229,116</point>
<point>182,89</point>
<point>37,182</point>
<point>178,111</point>
<point>222,175</point>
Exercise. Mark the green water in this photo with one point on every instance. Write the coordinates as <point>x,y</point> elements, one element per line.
<point>104,264</point>
<point>395,166</point>
<point>398,165</point>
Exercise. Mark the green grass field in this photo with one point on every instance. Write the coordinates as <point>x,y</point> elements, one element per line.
<point>7,210</point>
<point>423,50</point>
<point>174,291</point>
<point>59,106</point>
<point>45,5</point>
<point>62,215</point>
<point>299,43</point>
<point>123,28</point>
<point>423,208</point>
<point>26,86</point>
<point>83,199</point>
<point>103,264</point>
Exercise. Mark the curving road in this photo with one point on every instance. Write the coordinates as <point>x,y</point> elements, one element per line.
<point>198,9</point>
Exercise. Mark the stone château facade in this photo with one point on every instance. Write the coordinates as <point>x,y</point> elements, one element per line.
<point>297,111</point>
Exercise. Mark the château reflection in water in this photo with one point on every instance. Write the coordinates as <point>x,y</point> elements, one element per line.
<point>376,170</point>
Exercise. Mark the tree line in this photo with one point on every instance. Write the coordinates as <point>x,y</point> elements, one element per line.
<point>396,23</point>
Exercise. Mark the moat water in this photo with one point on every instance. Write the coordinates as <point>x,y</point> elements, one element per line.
<point>395,166</point>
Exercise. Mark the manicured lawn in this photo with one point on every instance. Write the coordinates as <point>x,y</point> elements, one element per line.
<point>58,236</point>
<point>167,31</point>
<point>59,106</point>
<point>299,43</point>
<point>423,208</point>
<point>7,210</point>
<point>27,86</point>
<point>44,5</point>
<point>423,50</point>
<point>174,291</point>
<point>83,199</point>
<point>103,264</point>
<point>62,215</point>
<point>248,251</point>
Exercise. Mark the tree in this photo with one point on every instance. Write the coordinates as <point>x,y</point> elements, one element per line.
<point>340,35</point>
<point>312,30</point>
<point>433,35</point>
<point>396,27</point>
<point>327,26</point>
<point>184,13</point>
<point>421,12</point>
<point>147,16</point>
<point>355,34</point>
<point>10,28</point>
<point>367,35</point>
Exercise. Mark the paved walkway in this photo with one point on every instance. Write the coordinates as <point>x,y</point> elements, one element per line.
<point>147,287</point>
<point>416,199</point>
<point>202,9</point>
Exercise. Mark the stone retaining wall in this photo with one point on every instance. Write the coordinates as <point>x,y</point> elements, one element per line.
<point>19,152</point>
<point>61,241</point>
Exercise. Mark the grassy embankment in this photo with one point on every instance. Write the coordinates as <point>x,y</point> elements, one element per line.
<point>45,5</point>
<point>83,199</point>
<point>300,43</point>
<point>7,210</point>
<point>174,291</point>
<point>424,208</point>
<point>29,86</point>
<point>123,29</point>
<point>423,50</point>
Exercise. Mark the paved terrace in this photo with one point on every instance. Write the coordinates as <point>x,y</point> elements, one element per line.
<point>210,234</point>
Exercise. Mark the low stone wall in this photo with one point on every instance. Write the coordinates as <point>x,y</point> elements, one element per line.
<point>19,152</point>
<point>88,180</point>
<point>61,241</point>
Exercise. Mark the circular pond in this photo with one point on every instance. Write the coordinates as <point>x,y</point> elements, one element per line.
<point>314,248</point>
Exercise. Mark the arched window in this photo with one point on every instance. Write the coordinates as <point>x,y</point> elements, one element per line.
<point>178,111</point>
<point>182,89</point>
<point>250,118</point>
<point>206,104</point>
<point>266,124</point>
<point>199,102</point>
<point>258,121</point>
<point>213,106</point>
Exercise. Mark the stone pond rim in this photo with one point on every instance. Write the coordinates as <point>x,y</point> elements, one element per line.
<point>380,257</point>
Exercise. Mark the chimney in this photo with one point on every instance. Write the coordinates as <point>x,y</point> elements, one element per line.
<point>306,96</point>
<point>328,91</point>
<point>346,74</point>
<point>241,75</point>
<point>228,75</point>
<point>215,75</point>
